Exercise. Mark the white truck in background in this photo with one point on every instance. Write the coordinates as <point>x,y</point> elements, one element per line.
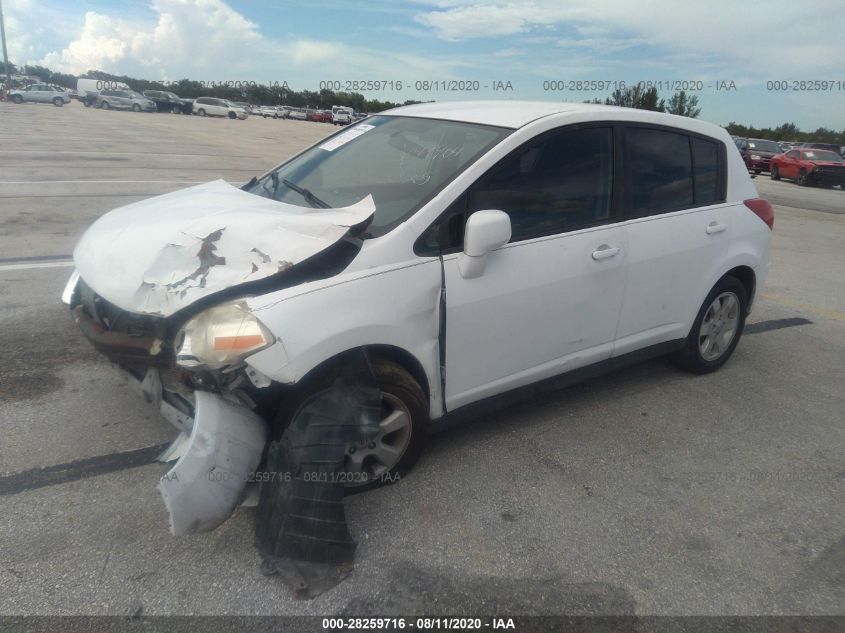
<point>341,115</point>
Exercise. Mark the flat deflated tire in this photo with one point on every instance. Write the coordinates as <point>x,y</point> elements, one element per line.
<point>391,454</point>
<point>717,328</point>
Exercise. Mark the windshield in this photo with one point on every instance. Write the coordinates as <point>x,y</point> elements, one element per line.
<point>764,146</point>
<point>171,95</point>
<point>820,154</point>
<point>401,161</point>
<point>136,95</point>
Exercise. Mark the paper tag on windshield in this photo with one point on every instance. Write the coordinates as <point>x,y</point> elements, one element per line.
<point>345,137</point>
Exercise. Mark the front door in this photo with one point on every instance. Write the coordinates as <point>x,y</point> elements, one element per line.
<point>548,301</point>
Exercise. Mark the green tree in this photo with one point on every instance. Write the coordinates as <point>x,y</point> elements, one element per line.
<point>684,104</point>
<point>637,97</point>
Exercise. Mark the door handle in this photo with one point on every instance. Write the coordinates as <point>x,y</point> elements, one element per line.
<point>715,227</point>
<point>605,252</point>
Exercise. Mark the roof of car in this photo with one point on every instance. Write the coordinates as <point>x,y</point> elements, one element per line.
<point>515,114</point>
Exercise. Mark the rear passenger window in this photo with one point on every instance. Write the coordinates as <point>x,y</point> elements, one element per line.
<point>705,158</point>
<point>557,183</point>
<point>660,168</point>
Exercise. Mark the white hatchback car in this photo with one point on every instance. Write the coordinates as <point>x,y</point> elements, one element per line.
<point>473,250</point>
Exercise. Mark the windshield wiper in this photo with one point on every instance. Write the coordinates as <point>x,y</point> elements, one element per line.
<point>305,193</point>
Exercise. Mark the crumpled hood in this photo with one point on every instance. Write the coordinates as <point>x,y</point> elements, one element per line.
<point>160,255</point>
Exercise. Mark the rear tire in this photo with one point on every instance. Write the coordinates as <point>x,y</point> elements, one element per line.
<point>201,112</point>
<point>58,102</point>
<point>775,173</point>
<point>17,99</point>
<point>758,171</point>
<point>136,108</point>
<point>105,105</point>
<point>402,397</point>
<point>716,330</point>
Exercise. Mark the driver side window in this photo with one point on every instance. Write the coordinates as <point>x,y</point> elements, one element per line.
<point>558,182</point>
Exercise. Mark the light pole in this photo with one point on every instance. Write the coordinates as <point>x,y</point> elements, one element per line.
<point>5,54</point>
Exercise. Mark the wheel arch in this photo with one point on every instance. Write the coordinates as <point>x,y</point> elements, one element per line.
<point>401,357</point>
<point>747,277</point>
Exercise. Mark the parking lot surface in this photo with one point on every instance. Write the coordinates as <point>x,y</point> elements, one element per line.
<point>647,491</point>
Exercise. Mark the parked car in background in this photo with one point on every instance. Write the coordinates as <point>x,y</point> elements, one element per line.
<point>433,259</point>
<point>124,100</point>
<point>270,112</point>
<point>169,101</point>
<point>757,152</point>
<point>828,147</point>
<point>212,106</point>
<point>87,89</point>
<point>321,116</point>
<point>297,113</point>
<point>342,115</point>
<point>40,93</point>
<point>810,167</point>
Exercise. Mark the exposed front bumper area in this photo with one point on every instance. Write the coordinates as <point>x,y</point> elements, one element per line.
<point>829,177</point>
<point>217,450</point>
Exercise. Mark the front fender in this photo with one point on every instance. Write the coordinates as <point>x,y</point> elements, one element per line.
<point>398,308</point>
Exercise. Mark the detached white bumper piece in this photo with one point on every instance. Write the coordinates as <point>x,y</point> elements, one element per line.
<point>208,480</point>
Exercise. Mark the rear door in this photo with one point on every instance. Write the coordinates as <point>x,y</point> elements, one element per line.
<point>549,300</point>
<point>40,93</point>
<point>678,225</point>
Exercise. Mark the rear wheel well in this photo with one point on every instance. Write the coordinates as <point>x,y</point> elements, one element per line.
<point>746,277</point>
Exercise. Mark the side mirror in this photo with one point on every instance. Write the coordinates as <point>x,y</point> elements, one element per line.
<point>485,231</point>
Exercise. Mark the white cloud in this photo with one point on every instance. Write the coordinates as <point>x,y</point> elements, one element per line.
<point>746,36</point>
<point>203,35</point>
<point>207,39</point>
<point>490,20</point>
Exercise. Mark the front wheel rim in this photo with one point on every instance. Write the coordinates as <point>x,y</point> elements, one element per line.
<point>719,326</point>
<point>370,459</point>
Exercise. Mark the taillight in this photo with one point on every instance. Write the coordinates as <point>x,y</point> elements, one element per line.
<point>762,209</point>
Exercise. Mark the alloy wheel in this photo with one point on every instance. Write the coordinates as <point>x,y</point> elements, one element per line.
<point>719,326</point>
<point>369,459</point>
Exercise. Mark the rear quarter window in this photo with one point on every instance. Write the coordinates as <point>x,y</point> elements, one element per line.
<point>705,157</point>
<point>670,170</point>
<point>660,171</point>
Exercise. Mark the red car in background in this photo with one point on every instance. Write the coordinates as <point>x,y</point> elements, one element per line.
<point>809,167</point>
<point>321,116</point>
<point>757,153</point>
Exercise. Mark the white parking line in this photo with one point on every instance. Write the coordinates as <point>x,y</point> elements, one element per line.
<point>31,265</point>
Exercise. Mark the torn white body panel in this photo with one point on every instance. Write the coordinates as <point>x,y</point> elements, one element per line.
<point>160,255</point>
<point>208,480</point>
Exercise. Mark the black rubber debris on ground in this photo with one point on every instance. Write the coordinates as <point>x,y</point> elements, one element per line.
<point>775,324</point>
<point>79,469</point>
<point>301,531</point>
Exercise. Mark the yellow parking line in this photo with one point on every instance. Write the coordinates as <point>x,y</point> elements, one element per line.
<point>836,315</point>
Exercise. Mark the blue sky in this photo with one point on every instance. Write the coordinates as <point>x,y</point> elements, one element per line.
<point>526,43</point>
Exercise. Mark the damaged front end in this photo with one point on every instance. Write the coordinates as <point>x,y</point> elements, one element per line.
<point>158,290</point>
<point>219,409</point>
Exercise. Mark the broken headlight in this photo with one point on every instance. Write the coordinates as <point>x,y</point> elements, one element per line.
<point>220,336</point>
